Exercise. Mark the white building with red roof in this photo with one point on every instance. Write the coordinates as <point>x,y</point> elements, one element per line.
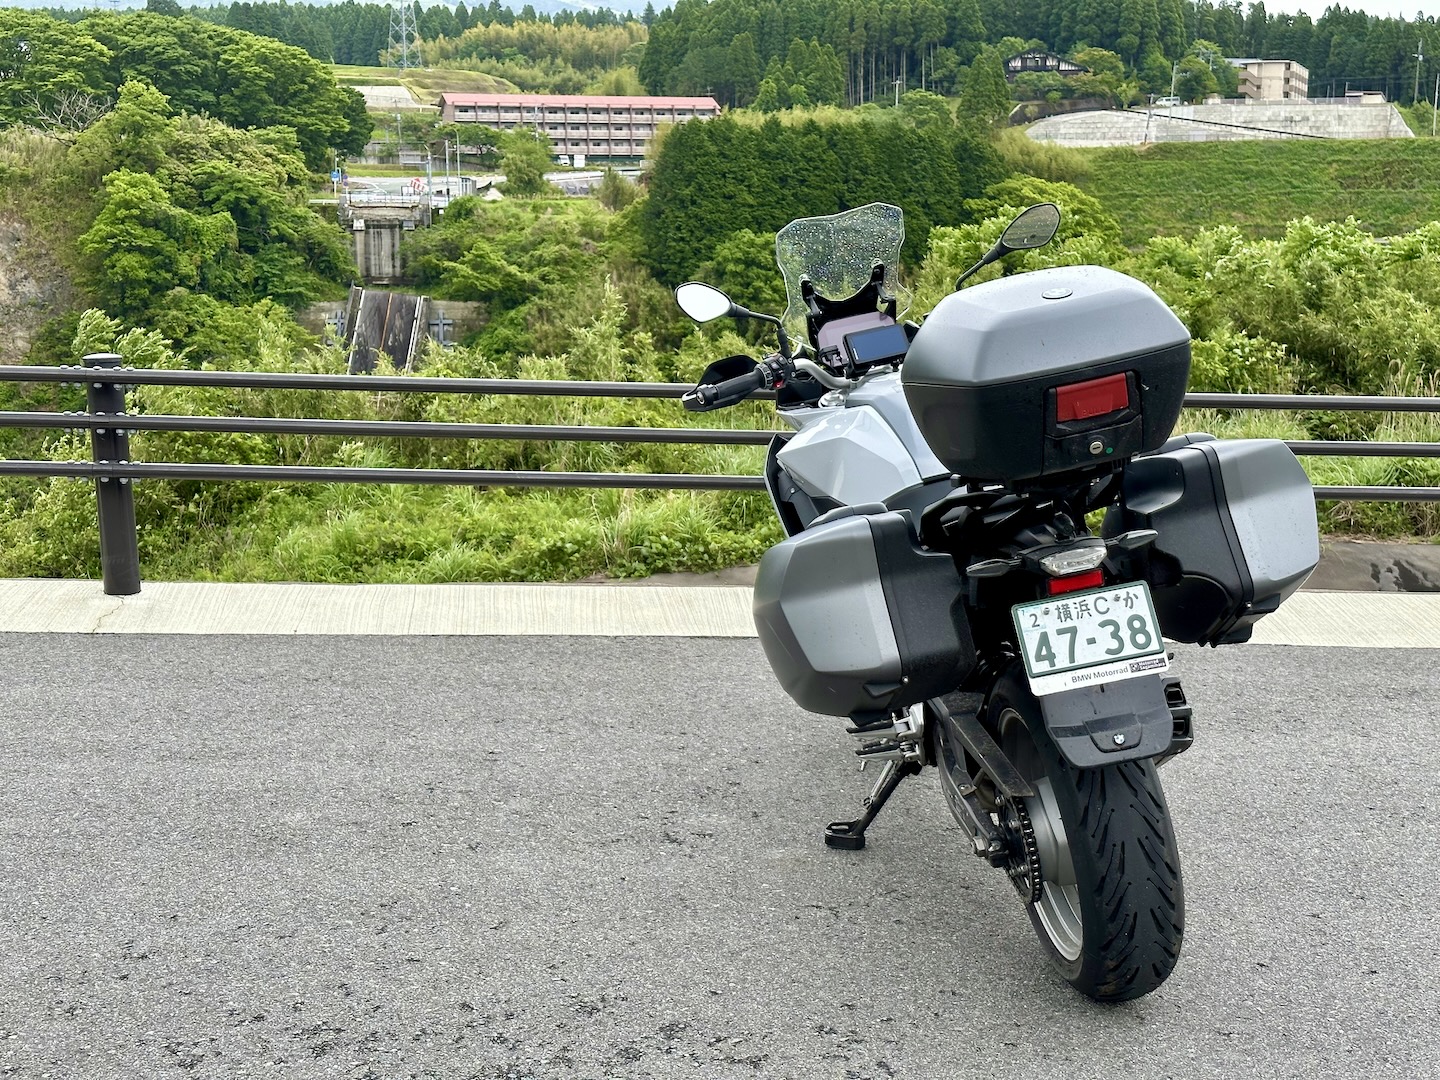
<point>598,127</point>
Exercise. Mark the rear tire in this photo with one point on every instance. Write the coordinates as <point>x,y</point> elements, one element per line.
<point>1111,914</point>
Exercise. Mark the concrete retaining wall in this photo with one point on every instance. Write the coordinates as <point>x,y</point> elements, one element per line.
<point>1224,122</point>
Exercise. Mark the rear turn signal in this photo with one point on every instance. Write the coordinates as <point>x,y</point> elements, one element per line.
<point>1092,579</point>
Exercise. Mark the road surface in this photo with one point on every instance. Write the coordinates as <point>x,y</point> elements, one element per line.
<point>525,857</point>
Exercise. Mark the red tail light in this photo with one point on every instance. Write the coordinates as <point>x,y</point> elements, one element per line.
<point>1091,579</point>
<point>1081,401</point>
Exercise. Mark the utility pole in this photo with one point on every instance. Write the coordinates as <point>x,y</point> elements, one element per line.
<point>897,93</point>
<point>1435,106</point>
<point>1419,59</point>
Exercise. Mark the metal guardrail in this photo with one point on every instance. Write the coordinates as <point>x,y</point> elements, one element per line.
<point>105,380</point>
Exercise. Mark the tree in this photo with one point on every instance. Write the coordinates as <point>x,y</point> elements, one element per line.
<point>767,98</point>
<point>985,100</point>
<point>1154,71</point>
<point>744,70</point>
<point>524,157</point>
<point>1227,79</point>
<point>967,29</point>
<point>137,134</point>
<point>926,110</point>
<point>743,266</point>
<point>232,205</point>
<point>43,62</point>
<point>142,245</point>
<point>244,80</point>
<point>615,192</point>
<point>1101,62</point>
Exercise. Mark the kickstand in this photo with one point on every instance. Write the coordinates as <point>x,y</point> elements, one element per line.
<point>850,835</point>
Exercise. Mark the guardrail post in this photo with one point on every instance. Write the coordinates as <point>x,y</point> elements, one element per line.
<point>115,496</point>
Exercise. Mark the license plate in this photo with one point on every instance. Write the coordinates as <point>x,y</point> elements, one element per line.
<point>1087,638</point>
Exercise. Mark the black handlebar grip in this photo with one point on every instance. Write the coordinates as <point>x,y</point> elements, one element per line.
<point>717,395</point>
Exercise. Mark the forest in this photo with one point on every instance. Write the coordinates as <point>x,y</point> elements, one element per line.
<point>730,47</point>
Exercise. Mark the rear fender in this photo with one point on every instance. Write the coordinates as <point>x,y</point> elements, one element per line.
<point>1094,726</point>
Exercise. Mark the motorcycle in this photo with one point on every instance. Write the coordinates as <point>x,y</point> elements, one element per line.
<point>991,534</point>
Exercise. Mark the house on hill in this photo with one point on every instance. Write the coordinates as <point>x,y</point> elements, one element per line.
<point>1042,60</point>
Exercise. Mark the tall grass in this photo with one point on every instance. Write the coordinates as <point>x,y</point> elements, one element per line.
<point>1175,189</point>
<point>1048,161</point>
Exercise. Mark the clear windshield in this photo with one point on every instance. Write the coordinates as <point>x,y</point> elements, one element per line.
<point>837,254</point>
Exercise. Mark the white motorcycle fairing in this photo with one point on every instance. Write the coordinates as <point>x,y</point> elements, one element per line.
<point>865,450</point>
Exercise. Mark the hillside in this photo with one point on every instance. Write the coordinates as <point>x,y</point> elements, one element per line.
<point>425,84</point>
<point>1389,185</point>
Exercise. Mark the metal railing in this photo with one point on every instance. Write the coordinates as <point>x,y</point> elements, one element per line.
<point>110,427</point>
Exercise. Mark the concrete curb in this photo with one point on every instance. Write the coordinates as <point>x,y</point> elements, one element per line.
<point>1335,619</point>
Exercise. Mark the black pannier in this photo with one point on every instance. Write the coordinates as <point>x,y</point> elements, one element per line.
<point>857,620</point>
<point>1237,533</point>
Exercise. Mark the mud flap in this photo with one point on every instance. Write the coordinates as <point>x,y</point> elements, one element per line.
<point>1095,726</point>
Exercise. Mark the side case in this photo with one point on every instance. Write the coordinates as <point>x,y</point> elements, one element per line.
<point>1237,534</point>
<point>856,620</point>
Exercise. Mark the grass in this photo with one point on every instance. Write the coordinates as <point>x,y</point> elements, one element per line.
<point>1388,185</point>
<point>424,83</point>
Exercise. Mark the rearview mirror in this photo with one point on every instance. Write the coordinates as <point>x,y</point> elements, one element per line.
<point>1034,228</point>
<point>702,302</point>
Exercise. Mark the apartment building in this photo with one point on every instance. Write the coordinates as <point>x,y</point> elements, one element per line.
<point>1272,80</point>
<point>598,127</point>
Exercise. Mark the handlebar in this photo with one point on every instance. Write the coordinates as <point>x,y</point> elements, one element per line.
<point>825,378</point>
<point>773,371</point>
<point>727,392</point>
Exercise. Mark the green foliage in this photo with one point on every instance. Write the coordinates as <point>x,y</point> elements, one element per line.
<point>187,202</point>
<point>1048,161</point>
<point>986,100</point>
<point>540,267</point>
<point>141,244</point>
<point>524,158</point>
<point>44,64</point>
<point>1350,313</point>
<point>616,192</point>
<point>744,267</point>
<point>1231,362</point>
<point>545,57</point>
<point>714,179</point>
<point>253,531</point>
<point>1087,235</point>
<point>241,79</point>
<point>621,82</point>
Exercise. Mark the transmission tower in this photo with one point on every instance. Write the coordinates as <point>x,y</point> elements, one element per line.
<point>403,35</point>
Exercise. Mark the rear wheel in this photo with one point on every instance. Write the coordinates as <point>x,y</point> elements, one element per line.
<point>1102,866</point>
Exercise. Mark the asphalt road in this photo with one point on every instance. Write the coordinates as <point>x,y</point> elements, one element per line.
<point>566,857</point>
